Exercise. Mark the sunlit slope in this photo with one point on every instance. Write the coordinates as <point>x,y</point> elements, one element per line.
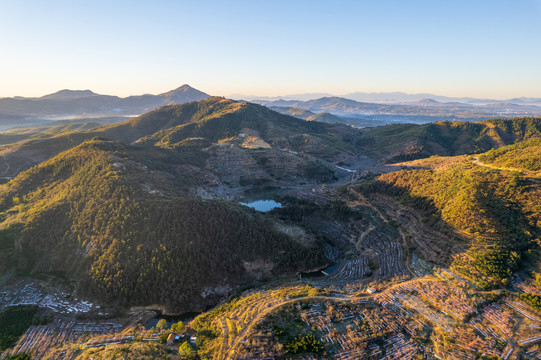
<point>521,156</point>
<point>215,120</point>
<point>404,142</point>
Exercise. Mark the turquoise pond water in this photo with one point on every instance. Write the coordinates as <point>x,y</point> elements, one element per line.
<point>263,205</point>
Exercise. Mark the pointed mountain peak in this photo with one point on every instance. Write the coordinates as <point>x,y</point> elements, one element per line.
<point>185,93</point>
<point>181,89</point>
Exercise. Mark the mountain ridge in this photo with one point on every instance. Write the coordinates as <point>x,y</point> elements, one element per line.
<point>386,97</point>
<point>87,103</point>
<point>427,110</point>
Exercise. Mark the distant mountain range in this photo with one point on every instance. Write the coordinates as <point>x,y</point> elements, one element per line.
<point>356,109</point>
<point>390,98</point>
<point>420,111</point>
<point>77,103</point>
<point>329,118</point>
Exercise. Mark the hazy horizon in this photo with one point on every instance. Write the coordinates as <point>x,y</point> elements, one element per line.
<point>250,96</point>
<point>482,49</point>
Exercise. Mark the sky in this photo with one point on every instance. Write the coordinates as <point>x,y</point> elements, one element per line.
<point>486,49</point>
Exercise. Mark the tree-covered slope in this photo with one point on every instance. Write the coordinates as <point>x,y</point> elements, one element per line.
<point>524,155</point>
<point>496,213</point>
<point>404,142</point>
<point>215,120</point>
<point>106,217</point>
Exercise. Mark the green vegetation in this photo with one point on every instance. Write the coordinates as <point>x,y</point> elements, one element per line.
<point>293,293</point>
<point>178,327</point>
<point>20,357</point>
<point>188,130</point>
<point>13,323</point>
<point>517,129</point>
<point>136,350</point>
<point>213,119</point>
<point>204,322</point>
<point>162,338</point>
<point>187,351</point>
<point>297,209</point>
<point>403,142</point>
<point>304,344</point>
<point>162,324</point>
<point>291,331</point>
<point>126,245</point>
<point>525,155</point>
<point>532,299</point>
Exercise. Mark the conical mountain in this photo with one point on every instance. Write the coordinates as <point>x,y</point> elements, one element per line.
<point>183,94</point>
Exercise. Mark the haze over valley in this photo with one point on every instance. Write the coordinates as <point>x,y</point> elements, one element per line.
<point>357,109</point>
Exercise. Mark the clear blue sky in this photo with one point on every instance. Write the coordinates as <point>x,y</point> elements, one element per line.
<point>476,48</point>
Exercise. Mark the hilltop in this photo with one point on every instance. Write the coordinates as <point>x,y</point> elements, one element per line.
<point>228,123</point>
<point>227,129</point>
<point>67,94</point>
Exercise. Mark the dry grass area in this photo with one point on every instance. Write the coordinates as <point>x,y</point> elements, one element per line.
<point>252,142</point>
<point>432,163</point>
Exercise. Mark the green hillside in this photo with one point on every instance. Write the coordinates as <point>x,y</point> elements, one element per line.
<point>293,111</point>
<point>214,119</point>
<point>107,217</point>
<point>130,227</point>
<point>525,155</point>
<point>403,142</point>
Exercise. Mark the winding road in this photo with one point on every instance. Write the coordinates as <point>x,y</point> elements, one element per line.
<point>531,175</point>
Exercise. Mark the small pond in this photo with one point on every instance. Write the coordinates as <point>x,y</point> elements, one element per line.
<point>262,205</point>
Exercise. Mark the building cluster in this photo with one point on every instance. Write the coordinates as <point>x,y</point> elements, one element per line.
<point>28,292</point>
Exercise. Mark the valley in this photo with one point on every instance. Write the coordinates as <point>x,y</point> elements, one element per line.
<point>395,242</point>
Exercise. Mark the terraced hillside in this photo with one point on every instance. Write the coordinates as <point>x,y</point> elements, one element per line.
<point>494,213</point>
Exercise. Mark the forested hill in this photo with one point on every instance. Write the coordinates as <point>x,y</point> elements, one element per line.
<point>408,142</point>
<point>107,218</point>
<point>525,155</point>
<point>213,119</point>
<point>221,120</point>
<point>118,210</point>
